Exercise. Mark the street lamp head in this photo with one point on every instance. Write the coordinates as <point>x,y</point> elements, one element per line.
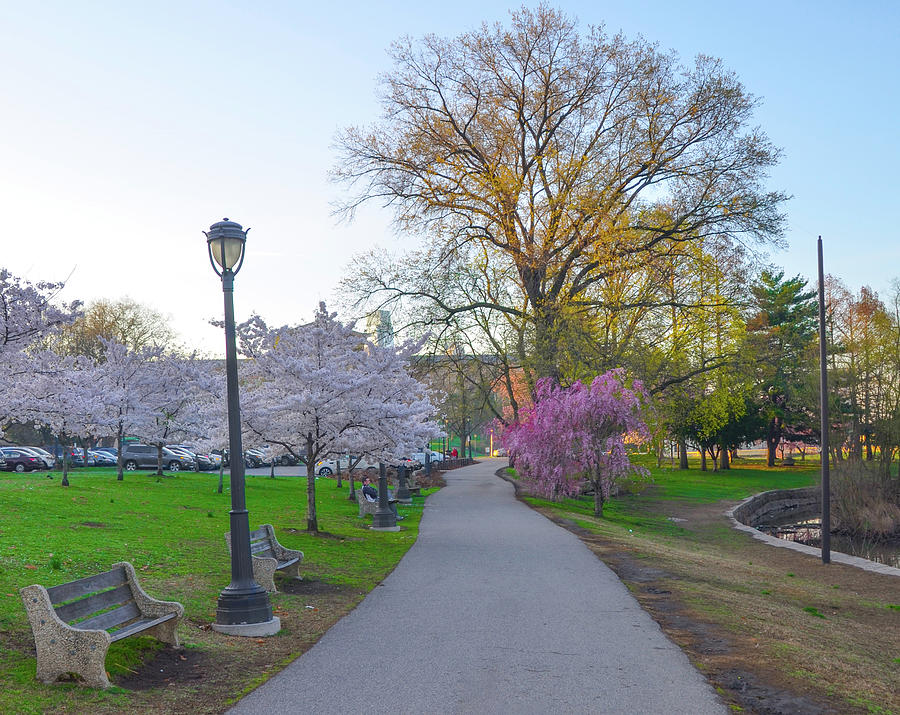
<point>225,241</point>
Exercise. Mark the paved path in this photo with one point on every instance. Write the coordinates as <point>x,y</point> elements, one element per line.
<point>495,609</point>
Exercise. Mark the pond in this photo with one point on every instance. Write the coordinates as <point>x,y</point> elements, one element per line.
<point>806,528</point>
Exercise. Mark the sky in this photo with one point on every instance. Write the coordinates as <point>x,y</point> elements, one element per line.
<point>127,128</point>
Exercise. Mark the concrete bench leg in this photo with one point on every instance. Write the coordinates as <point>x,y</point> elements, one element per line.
<point>293,571</point>
<point>264,573</point>
<point>165,632</point>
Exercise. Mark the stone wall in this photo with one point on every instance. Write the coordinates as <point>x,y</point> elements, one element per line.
<point>774,504</point>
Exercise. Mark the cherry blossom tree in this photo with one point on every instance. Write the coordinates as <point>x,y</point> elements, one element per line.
<point>126,387</point>
<point>27,312</point>
<point>321,388</point>
<point>176,384</point>
<point>576,436</point>
<point>59,392</point>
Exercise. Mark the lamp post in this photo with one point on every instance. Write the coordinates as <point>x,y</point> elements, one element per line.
<point>244,608</point>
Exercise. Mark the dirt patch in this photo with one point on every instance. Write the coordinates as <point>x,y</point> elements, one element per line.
<point>192,680</point>
<point>169,666</point>
<point>93,524</point>
<point>319,534</point>
<point>428,482</point>
<point>310,587</point>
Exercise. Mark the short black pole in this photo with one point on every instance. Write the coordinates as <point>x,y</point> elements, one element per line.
<point>383,518</point>
<point>243,601</point>
<point>823,408</point>
<point>403,494</point>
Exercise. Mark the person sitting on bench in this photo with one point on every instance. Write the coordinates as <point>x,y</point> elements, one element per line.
<point>371,495</point>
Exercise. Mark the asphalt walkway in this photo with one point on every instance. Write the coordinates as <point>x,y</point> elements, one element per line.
<point>495,609</point>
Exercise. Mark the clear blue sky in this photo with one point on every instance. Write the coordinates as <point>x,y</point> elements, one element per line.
<point>127,128</point>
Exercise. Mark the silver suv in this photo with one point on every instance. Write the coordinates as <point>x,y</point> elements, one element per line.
<point>136,456</point>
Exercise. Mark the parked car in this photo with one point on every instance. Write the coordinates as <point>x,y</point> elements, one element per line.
<point>45,457</point>
<point>2,461</point>
<point>57,452</point>
<point>74,455</point>
<point>202,461</point>
<point>88,460</point>
<point>145,456</point>
<point>102,459</point>
<point>18,460</point>
<point>48,458</point>
<point>109,450</point>
<point>288,460</point>
<point>254,458</point>
<point>327,467</point>
<point>433,456</point>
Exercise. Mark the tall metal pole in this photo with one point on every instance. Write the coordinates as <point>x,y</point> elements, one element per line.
<point>243,601</point>
<point>823,408</point>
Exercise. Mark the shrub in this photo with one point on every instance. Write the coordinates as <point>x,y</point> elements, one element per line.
<point>865,502</point>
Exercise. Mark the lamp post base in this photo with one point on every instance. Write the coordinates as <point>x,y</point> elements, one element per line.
<point>244,605</point>
<point>385,528</point>
<point>250,630</point>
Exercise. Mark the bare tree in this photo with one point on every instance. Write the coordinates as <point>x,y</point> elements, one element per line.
<point>554,161</point>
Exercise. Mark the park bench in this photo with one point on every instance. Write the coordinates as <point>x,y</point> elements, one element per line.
<point>75,623</point>
<point>269,556</point>
<point>370,507</point>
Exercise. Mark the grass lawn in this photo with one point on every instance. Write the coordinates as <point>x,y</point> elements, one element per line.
<point>172,529</point>
<point>766,625</point>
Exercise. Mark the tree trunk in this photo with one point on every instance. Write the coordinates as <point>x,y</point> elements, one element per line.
<point>159,469</point>
<point>725,464</point>
<point>598,498</point>
<point>65,456</point>
<point>272,469</point>
<point>682,454</point>
<point>312,523</point>
<point>351,465</point>
<point>773,438</point>
<point>221,473</point>
<point>119,472</point>
<point>703,458</point>
<point>339,480</point>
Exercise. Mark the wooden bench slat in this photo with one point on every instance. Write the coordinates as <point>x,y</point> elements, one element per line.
<point>111,619</point>
<point>260,546</point>
<point>139,626</point>
<point>285,564</point>
<point>259,534</point>
<point>98,602</point>
<point>89,584</point>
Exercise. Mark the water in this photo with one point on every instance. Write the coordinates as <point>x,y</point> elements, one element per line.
<point>806,528</point>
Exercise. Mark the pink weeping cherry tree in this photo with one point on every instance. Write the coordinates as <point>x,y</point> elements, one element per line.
<point>576,436</point>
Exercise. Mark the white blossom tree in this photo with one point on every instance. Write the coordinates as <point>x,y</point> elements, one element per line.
<point>27,314</point>
<point>320,388</point>
<point>127,385</point>
<point>60,392</point>
<point>176,384</point>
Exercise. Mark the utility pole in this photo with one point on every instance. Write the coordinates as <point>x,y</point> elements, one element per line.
<point>823,409</point>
